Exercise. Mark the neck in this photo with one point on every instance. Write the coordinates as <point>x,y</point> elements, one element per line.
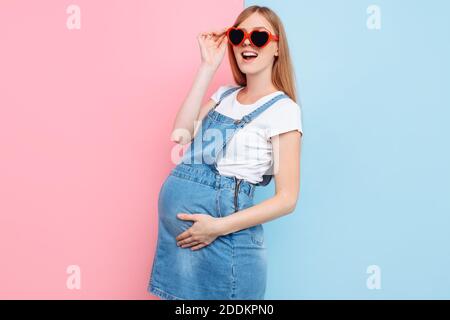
<point>259,84</point>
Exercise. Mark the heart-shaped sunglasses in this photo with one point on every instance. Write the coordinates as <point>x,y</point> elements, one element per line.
<point>258,38</point>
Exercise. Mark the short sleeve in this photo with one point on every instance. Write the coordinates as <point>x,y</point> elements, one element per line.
<point>285,117</point>
<point>216,95</point>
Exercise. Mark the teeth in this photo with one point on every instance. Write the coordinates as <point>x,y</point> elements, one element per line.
<point>249,54</point>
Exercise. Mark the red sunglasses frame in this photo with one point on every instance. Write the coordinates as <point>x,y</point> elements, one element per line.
<point>249,36</point>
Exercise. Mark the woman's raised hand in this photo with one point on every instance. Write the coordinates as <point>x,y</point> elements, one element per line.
<point>212,47</point>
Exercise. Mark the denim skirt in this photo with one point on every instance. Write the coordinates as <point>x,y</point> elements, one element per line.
<point>233,266</point>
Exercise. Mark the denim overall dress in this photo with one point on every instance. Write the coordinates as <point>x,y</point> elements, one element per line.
<point>233,266</point>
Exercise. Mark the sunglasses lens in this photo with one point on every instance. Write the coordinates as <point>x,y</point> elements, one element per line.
<point>236,36</point>
<point>259,38</point>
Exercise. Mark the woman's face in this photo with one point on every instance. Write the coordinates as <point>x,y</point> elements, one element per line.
<point>266,55</point>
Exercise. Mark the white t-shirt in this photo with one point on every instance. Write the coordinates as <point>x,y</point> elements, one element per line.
<point>248,154</point>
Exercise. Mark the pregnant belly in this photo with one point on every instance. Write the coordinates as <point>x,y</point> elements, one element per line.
<point>179,195</point>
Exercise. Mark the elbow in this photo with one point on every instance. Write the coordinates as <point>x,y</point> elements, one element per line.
<point>181,136</point>
<point>291,207</point>
<point>289,202</point>
<point>178,140</point>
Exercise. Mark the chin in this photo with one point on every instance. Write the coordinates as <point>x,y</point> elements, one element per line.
<point>245,66</point>
<point>250,69</point>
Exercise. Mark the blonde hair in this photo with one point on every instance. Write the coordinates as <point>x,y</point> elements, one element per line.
<point>283,76</point>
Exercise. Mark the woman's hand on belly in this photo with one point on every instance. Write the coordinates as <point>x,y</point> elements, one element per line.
<point>205,230</point>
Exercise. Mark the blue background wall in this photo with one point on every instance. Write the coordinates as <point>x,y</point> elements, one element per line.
<point>375,165</point>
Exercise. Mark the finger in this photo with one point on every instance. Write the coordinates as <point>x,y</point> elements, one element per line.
<point>220,36</point>
<point>218,33</point>
<point>223,40</point>
<point>185,241</point>
<point>184,235</point>
<point>201,245</point>
<point>203,36</point>
<point>190,244</point>
<point>184,216</point>
<point>219,39</point>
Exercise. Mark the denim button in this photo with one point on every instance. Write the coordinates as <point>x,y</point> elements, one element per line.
<point>237,121</point>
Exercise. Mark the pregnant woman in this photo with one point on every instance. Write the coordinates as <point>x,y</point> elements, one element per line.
<point>210,236</point>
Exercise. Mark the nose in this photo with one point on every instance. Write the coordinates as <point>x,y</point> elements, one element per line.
<point>247,42</point>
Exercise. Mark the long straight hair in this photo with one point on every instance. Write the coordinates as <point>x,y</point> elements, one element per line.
<point>283,76</point>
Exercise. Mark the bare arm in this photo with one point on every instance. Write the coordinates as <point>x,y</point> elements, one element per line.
<point>212,46</point>
<point>287,153</point>
<point>188,114</point>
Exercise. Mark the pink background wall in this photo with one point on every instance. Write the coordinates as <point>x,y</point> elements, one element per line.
<point>85,119</point>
